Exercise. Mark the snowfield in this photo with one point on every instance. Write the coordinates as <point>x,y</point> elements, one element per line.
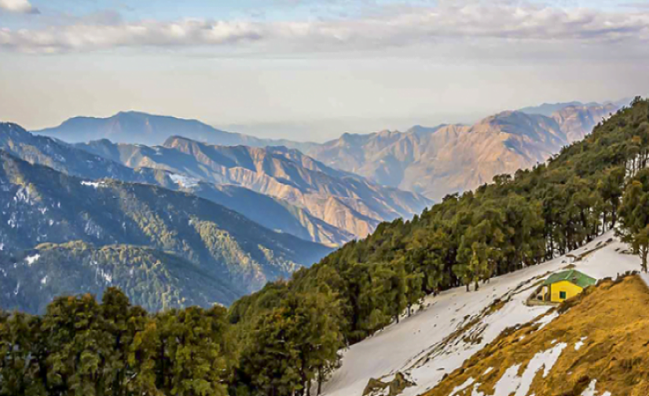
<point>184,181</point>
<point>427,345</point>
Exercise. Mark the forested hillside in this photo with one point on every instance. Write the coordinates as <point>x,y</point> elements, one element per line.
<point>42,205</point>
<point>514,222</point>
<point>289,334</point>
<point>501,227</point>
<point>151,278</point>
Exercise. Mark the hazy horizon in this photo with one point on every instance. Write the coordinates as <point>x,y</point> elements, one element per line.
<point>320,131</point>
<point>308,70</point>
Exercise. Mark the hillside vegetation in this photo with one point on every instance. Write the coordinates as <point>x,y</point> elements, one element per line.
<point>151,278</point>
<point>598,343</point>
<point>43,205</point>
<point>289,334</point>
<point>501,227</point>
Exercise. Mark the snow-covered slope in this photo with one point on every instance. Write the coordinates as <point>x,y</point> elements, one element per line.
<point>455,325</point>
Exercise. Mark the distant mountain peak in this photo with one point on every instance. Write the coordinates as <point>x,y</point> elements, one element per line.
<point>151,129</point>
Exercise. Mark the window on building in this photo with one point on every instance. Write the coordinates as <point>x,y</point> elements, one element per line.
<point>562,295</point>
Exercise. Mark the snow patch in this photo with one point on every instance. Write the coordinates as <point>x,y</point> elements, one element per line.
<point>580,343</point>
<point>544,321</point>
<point>94,185</point>
<point>508,383</point>
<point>22,195</point>
<point>487,371</point>
<point>32,259</point>
<point>462,387</point>
<point>511,382</point>
<point>184,181</point>
<point>590,391</point>
<point>476,392</point>
<point>108,278</point>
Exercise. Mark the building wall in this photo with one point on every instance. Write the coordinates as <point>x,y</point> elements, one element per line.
<point>563,286</point>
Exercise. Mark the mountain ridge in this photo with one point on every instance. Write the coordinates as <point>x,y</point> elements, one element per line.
<point>143,128</point>
<point>341,199</point>
<point>454,158</point>
<point>422,159</point>
<point>78,162</point>
<point>44,205</point>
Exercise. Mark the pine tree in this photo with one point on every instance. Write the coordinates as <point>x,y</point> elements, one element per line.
<point>634,213</point>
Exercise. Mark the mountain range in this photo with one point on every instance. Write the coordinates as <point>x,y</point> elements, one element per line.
<point>343,200</point>
<point>156,220</point>
<point>432,161</point>
<point>272,213</point>
<point>44,205</point>
<point>142,128</point>
<point>455,158</point>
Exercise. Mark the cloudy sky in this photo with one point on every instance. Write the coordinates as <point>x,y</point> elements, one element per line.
<point>308,69</point>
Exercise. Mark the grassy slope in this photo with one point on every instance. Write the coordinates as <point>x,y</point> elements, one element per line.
<point>613,318</point>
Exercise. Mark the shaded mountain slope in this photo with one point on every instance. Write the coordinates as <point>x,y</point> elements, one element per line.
<point>270,212</point>
<point>43,205</point>
<point>154,279</point>
<point>340,199</point>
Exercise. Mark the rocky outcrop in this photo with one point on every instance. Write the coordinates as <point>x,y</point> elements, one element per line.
<point>391,388</point>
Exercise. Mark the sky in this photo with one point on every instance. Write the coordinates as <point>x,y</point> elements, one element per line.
<point>312,70</point>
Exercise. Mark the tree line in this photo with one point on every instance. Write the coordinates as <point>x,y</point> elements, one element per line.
<point>284,340</point>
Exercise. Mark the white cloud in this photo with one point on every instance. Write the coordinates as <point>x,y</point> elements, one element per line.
<point>390,27</point>
<point>19,6</point>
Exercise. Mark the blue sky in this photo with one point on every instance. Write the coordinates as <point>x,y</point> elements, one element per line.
<point>314,69</point>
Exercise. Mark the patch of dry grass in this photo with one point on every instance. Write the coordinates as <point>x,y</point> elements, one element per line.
<point>614,318</point>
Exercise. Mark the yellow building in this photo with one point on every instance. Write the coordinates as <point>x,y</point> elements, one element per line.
<point>564,285</point>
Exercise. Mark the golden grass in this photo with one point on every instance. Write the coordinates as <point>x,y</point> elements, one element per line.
<point>614,316</point>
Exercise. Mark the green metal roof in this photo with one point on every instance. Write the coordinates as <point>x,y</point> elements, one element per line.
<point>573,276</point>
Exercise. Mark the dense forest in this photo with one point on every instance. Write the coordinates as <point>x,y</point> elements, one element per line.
<point>284,340</point>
